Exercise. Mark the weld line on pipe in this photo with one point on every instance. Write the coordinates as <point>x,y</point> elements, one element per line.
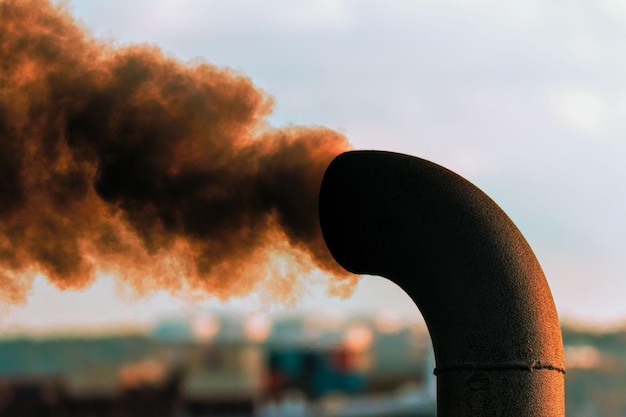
<point>513,366</point>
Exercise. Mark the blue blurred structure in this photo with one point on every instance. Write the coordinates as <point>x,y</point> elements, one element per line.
<point>315,373</point>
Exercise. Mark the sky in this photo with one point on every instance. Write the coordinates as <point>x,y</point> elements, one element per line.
<point>525,99</point>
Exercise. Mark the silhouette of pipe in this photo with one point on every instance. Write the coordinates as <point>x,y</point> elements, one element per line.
<point>473,276</point>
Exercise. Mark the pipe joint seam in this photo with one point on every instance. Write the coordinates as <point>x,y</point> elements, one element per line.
<point>507,366</point>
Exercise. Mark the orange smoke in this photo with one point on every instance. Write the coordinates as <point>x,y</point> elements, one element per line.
<point>125,161</point>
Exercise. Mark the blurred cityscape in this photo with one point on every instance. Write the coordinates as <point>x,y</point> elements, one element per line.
<point>285,366</point>
<point>225,365</point>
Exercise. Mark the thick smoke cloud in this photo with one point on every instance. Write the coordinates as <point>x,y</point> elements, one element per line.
<point>123,160</point>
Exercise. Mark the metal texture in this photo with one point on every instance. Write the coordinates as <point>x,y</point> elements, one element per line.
<point>475,279</point>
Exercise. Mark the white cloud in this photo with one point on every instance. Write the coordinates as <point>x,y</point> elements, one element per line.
<point>584,110</point>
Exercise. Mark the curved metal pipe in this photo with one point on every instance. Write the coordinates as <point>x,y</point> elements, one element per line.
<point>475,279</point>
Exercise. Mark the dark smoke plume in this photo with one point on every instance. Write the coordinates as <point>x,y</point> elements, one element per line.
<point>122,160</point>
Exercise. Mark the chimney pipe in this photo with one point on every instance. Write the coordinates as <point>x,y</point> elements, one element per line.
<point>471,273</point>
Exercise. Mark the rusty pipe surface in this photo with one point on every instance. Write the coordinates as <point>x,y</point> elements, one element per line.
<point>483,295</point>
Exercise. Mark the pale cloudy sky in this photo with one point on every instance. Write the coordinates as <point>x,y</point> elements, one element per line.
<point>526,99</point>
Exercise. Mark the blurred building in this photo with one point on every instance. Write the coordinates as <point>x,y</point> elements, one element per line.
<point>223,365</point>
